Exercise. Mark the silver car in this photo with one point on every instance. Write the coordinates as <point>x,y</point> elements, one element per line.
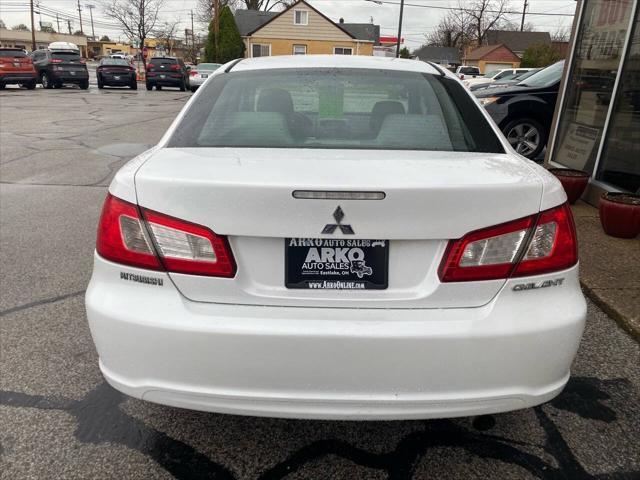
<point>200,73</point>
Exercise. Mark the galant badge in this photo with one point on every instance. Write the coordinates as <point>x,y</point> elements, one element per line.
<point>338,215</point>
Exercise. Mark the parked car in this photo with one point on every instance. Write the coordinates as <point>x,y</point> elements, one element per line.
<point>465,71</point>
<point>494,76</point>
<point>60,64</point>
<point>16,68</point>
<point>331,236</point>
<point>524,111</point>
<point>506,81</point>
<point>167,72</point>
<point>199,74</point>
<point>116,72</point>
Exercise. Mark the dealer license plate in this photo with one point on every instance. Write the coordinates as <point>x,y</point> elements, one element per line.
<point>336,264</point>
<point>162,76</point>
<point>204,75</point>
<point>116,77</point>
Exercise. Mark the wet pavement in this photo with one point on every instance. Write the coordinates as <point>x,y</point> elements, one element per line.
<point>59,419</point>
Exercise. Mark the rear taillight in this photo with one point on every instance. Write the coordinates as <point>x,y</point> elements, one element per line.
<point>529,246</point>
<point>149,66</point>
<point>193,73</point>
<point>56,60</point>
<point>175,67</point>
<point>155,241</point>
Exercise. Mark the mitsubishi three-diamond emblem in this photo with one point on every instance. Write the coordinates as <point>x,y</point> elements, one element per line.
<point>338,215</point>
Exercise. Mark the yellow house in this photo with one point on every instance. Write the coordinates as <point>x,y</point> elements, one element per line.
<point>300,29</point>
<point>100,48</point>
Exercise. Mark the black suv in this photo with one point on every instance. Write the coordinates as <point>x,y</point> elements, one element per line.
<point>57,67</point>
<point>524,111</point>
<point>167,72</point>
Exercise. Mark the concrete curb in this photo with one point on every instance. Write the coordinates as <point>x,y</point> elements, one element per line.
<point>610,309</point>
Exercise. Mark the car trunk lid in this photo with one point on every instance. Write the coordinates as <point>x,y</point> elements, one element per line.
<point>429,198</point>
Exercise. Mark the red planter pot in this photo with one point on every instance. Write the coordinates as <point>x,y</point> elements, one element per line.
<point>573,181</point>
<point>620,214</point>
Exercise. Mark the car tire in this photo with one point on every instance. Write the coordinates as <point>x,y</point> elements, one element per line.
<point>31,85</point>
<point>2,85</point>
<point>45,80</point>
<point>183,87</point>
<point>134,85</point>
<point>100,83</point>
<point>527,136</point>
<point>84,85</point>
<point>149,86</point>
<point>193,89</point>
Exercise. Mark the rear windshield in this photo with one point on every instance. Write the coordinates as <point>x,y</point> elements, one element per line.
<point>163,61</point>
<point>469,70</point>
<point>545,77</point>
<point>66,56</point>
<point>13,53</point>
<point>208,66</point>
<point>115,61</point>
<point>336,108</point>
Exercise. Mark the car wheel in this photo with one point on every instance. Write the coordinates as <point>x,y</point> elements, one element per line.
<point>526,136</point>
<point>31,85</point>
<point>149,86</point>
<point>193,89</point>
<point>134,85</point>
<point>183,87</point>
<point>84,85</point>
<point>45,80</point>
<point>2,85</point>
<point>100,83</point>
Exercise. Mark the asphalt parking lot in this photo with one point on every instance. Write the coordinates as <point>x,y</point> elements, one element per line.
<point>59,419</point>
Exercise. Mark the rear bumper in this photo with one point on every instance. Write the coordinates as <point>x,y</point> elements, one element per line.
<point>512,353</point>
<point>165,82</point>
<point>124,80</point>
<point>65,77</point>
<point>12,78</point>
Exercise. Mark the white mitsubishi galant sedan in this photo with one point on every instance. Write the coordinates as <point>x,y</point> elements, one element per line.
<point>336,237</point>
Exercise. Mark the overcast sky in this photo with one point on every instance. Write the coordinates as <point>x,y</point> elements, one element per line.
<point>417,20</point>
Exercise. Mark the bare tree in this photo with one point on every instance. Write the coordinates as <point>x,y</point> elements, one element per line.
<point>204,8</point>
<point>562,33</point>
<point>166,33</point>
<point>454,30</point>
<point>485,15</point>
<point>266,5</point>
<point>515,26</point>
<point>137,18</point>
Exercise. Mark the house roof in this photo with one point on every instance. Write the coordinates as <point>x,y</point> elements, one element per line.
<point>437,54</point>
<point>296,4</point>
<point>248,21</point>
<point>363,31</point>
<point>517,41</point>
<point>481,52</point>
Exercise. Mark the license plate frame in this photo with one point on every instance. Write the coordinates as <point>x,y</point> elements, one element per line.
<point>366,266</point>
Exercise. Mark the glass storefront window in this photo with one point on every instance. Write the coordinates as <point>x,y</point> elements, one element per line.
<point>598,51</point>
<point>620,160</point>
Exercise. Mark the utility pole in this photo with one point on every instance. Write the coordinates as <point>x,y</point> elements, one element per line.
<point>400,28</point>
<point>80,15</point>
<point>58,22</point>
<point>216,26</point>
<point>524,11</point>
<point>93,32</point>
<point>33,30</point>
<point>193,41</point>
<point>69,25</point>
